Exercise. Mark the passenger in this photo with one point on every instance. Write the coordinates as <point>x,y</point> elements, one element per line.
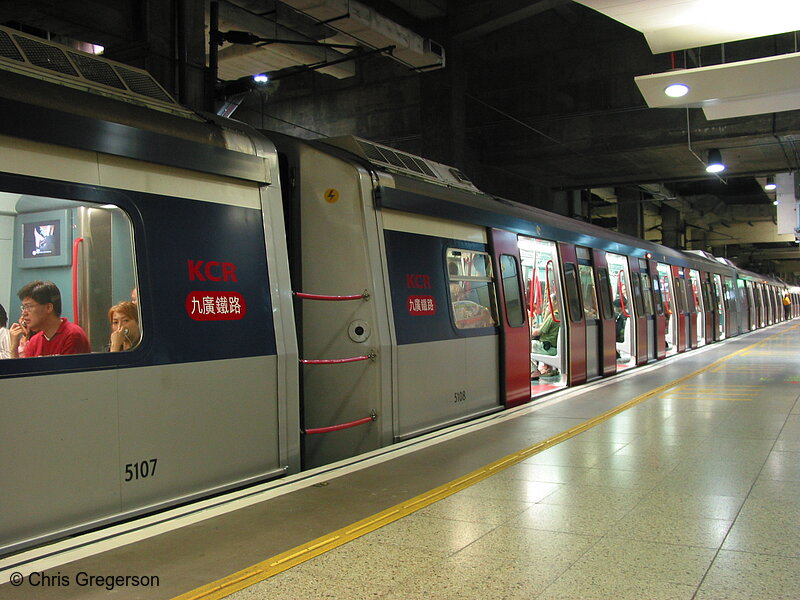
<point>125,332</point>
<point>5,337</point>
<point>787,306</point>
<point>545,337</point>
<point>41,312</point>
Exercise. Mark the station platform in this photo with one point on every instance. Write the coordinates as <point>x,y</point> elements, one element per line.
<point>676,480</point>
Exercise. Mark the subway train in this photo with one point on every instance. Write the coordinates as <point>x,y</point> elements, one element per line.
<point>298,301</point>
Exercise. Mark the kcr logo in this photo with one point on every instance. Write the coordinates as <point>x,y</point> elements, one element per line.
<point>212,270</point>
<point>419,282</point>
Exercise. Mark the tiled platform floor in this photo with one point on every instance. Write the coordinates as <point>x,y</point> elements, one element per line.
<point>694,493</point>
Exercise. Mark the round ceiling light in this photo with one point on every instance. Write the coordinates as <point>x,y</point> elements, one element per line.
<point>676,90</point>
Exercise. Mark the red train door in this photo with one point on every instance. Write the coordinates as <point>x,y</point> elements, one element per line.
<point>661,317</point>
<point>515,348</point>
<point>681,307</point>
<point>607,322</point>
<point>642,346</point>
<point>573,314</point>
<point>710,308</point>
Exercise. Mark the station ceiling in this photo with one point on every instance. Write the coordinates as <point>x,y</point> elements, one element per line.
<point>550,98</point>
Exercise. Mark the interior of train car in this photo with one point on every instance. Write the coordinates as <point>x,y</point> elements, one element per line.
<point>86,250</point>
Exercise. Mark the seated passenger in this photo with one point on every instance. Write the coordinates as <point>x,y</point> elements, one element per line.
<point>545,337</point>
<point>5,339</point>
<point>41,312</point>
<point>125,333</point>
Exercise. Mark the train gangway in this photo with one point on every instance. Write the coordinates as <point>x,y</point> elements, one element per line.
<point>676,480</point>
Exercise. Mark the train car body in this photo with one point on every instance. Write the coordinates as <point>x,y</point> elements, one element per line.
<point>106,197</point>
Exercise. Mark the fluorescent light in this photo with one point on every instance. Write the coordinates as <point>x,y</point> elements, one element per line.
<point>676,90</point>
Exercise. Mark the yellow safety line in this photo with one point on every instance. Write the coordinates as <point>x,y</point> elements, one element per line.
<point>300,554</point>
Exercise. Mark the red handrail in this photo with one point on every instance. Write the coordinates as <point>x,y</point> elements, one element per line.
<point>75,254</point>
<point>356,423</point>
<point>547,281</point>
<point>620,278</point>
<point>336,361</point>
<point>365,295</point>
<point>668,290</point>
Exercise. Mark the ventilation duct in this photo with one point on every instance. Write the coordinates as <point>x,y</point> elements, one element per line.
<point>366,26</point>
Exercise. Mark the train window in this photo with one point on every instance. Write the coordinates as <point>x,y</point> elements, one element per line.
<point>573,293</point>
<point>588,291</point>
<point>647,294</point>
<point>637,293</point>
<point>604,287</point>
<point>540,270</point>
<point>72,275</point>
<point>708,301</point>
<point>471,289</point>
<point>659,302</point>
<point>511,290</point>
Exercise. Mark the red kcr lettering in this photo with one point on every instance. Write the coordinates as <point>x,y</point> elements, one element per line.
<point>420,282</point>
<point>212,270</point>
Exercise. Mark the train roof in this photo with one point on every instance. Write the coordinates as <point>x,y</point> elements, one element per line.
<point>461,200</point>
<point>58,95</point>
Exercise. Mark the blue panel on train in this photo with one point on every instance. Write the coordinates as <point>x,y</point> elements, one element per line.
<point>420,299</point>
<point>207,281</point>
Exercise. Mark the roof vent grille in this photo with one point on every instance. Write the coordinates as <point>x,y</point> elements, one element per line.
<point>96,70</point>
<point>7,48</point>
<point>30,56</point>
<point>406,163</point>
<point>142,83</point>
<point>46,56</point>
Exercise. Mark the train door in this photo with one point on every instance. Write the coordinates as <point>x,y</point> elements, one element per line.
<point>660,348</point>
<point>758,291</point>
<point>671,329</point>
<point>542,275</point>
<point>591,313</point>
<point>719,307</point>
<point>743,303</point>
<point>751,305</point>
<point>645,326</point>
<point>699,315</point>
<point>515,344</point>
<point>731,307</point>
<point>681,321</point>
<point>767,304</point>
<point>574,314</point>
<point>624,323</point>
<point>608,327</point>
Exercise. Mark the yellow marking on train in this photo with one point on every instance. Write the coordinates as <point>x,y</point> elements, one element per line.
<point>300,554</point>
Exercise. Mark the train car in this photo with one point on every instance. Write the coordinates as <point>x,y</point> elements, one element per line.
<point>462,304</point>
<point>113,192</point>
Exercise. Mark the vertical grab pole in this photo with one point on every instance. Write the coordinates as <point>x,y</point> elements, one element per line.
<point>75,255</point>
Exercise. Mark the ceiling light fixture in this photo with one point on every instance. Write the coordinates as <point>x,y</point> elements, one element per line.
<point>715,164</point>
<point>676,90</point>
<point>770,185</point>
<point>261,78</point>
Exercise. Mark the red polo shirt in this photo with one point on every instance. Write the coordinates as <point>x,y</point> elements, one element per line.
<point>68,339</point>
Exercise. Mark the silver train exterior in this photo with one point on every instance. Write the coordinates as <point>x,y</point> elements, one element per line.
<point>213,227</point>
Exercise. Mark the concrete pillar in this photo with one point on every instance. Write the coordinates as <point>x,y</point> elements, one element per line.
<point>443,111</point>
<point>170,45</point>
<point>671,227</point>
<point>630,217</point>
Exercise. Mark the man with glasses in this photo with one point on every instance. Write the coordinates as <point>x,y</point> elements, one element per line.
<point>41,312</point>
